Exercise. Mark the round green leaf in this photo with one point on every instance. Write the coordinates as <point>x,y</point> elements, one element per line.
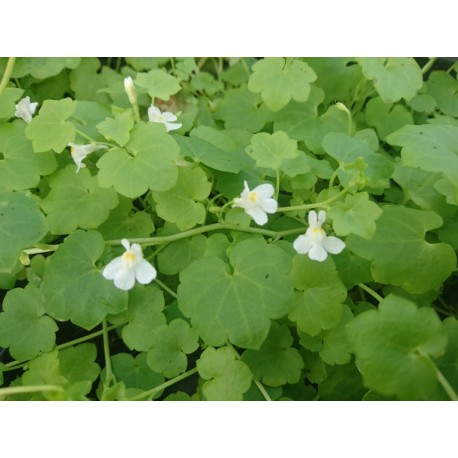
<point>20,167</point>
<point>76,200</point>
<point>444,88</point>
<point>21,224</point>
<point>50,129</point>
<point>356,215</point>
<point>148,162</point>
<point>400,254</point>
<point>73,288</point>
<point>117,129</point>
<point>278,81</point>
<point>23,326</point>
<point>236,301</point>
<point>144,314</point>
<point>169,345</point>
<point>393,77</point>
<point>125,222</point>
<point>270,151</point>
<point>318,301</point>
<point>158,84</point>
<point>275,363</point>
<point>8,100</point>
<point>227,377</point>
<point>178,205</point>
<point>393,346</point>
<point>349,151</point>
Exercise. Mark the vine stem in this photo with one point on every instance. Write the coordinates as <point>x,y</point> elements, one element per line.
<point>370,291</point>
<point>323,204</point>
<point>109,376</point>
<point>165,385</point>
<point>7,74</point>
<point>29,389</point>
<point>445,385</point>
<point>208,228</point>
<point>166,288</point>
<point>428,65</point>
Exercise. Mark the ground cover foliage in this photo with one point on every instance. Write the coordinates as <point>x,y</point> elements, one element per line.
<point>228,229</point>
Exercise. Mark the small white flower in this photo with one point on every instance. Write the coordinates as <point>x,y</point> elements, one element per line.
<point>25,109</point>
<point>258,202</point>
<point>130,90</point>
<point>166,118</point>
<point>315,242</point>
<point>80,152</point>
<point>131,266</point>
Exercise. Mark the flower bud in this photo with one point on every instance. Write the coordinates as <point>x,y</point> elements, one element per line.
<point>130,90</point>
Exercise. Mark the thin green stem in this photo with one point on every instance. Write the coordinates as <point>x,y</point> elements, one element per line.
<point>256,382</point>
<point>445,385</point>
<point>324,204</point>
<point>166,288</point>
<point>118,63</point>
<point>28,389</point>
<point>208,228</point>
<point>7,74</point>
<point>201,63</point>
<point>14,365</point>
<point>370,291</point>
<point>165,385</point>
<point>109,376</point>
<point>428,65</point>
<point>277,185</point>
<point>333,178</point>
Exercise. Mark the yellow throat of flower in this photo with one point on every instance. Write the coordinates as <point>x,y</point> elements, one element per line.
<point>253,196</point>
<point>129,257</point>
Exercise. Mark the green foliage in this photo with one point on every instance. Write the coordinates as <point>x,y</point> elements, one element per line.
<point>21,224</point>
<point>51,128</point>
<point>270,151</point>
<point>181,205</point>
<point>20,167</point>
<point>73,287</point>
<point>147,162</point>
<point>227,377</point>
<point>420,266</point>
<point>76,200</point>
<point>230,311</point>
<point>275,363</point>
<point>394,346</point>
<point>170,344</point>
<point>319,296</point>
<point>279,81</point>
<point>158,84</point>
<point>144,314</point>
<point>236,301</point>
<point>23,326</point>
<point>356,215</point>
<point>394,78</point>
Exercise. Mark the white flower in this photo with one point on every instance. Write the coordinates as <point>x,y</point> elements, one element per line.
<point>25,109</point>
<point>80,152</point>
<point>315,242</point>
<point>131,266</point>
<point>258,202</point>
<point>166,118</point>
<point>130,90</point>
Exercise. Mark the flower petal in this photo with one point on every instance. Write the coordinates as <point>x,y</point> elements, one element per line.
<point>258,214</point>
<point>318,253</point>
<point>110,270</point>
<point>269,205</point>
<point>144,272</point>
<point>321,217</point>
<point>154,114</point>
<point>125,243</point>
<point>169,117</point>
<point>172,126</point>
<point>266,190</point>
<point>333,245</point>
<point>302,244</point>
<point>313,219</point>
<point>124,279</point>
